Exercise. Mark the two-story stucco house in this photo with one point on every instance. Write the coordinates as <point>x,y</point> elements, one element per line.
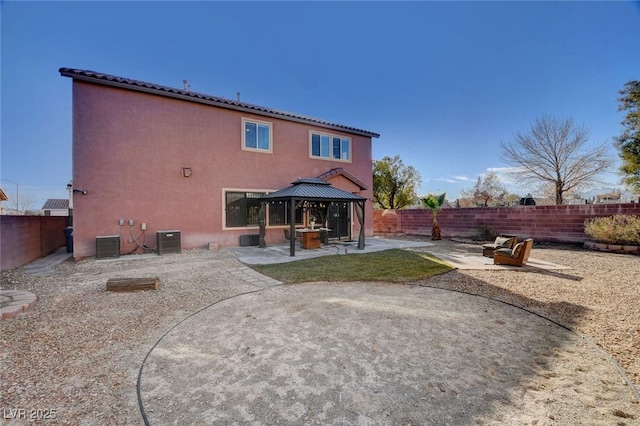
<point>150,158</point>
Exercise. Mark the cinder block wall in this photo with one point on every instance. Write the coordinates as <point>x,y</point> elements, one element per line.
<point>563,224</point>
<point>27,238</point>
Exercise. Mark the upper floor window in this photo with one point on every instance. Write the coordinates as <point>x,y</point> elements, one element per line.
<point>330,147</point>
<point>256,135</point>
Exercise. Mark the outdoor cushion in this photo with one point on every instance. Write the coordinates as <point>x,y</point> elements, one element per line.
<point>506,242</point>
<point>517,249</point>
<point>503,251</point>
<point>517,256</point>
<point>503,242</point>
<point>500,242</point>
<point>514,252</point>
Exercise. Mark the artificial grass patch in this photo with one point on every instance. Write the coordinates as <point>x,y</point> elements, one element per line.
<point>393,265</point>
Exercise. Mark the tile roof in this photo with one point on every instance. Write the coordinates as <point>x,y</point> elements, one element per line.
<point>127,83</point>
<point>56,204</point>
<point>312,189</point>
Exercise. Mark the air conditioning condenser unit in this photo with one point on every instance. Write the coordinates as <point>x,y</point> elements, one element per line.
<point>107,246</point>
<point>168,242</point>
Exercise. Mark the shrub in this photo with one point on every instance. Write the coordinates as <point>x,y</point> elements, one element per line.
<point>485,233</point>
<point>619,229</point>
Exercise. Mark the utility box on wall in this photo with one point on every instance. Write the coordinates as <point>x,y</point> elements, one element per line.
<point>107,246</point>
<point>168,242</point>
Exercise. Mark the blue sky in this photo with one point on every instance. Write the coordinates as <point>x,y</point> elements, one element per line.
<point>442,82</point>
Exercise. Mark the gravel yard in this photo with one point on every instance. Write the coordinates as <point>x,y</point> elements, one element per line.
<point>598,297</point>
<point>79,350</point>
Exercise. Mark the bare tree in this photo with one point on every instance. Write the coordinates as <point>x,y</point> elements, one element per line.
<point>547,190</point>
<point>25,205</point>
<point>512,199</point>
<point>556,152</point>
<point>487,191</point>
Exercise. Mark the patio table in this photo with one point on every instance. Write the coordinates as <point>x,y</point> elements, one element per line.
<point>310,237</point>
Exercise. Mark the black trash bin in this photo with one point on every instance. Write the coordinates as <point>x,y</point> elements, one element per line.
<point>68,236</point>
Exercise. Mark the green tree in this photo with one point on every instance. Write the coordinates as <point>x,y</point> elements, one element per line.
<point>394,184</point>
<point>487,191</point>
<point>628,143</point>
<point>434,203</point>
<point>556,152</point>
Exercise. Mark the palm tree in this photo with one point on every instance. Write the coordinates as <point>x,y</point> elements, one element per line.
<point>434,203</point>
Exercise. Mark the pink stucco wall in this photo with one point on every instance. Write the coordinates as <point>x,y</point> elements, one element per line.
<point>129,149</point>
<point>27,238</point>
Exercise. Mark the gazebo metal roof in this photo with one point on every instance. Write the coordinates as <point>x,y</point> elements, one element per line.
<point>312,189</point>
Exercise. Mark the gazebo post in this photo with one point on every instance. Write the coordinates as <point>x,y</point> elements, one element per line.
<point>360,213</point>
<point>262,218</point>
<point>362,227</point>
<point>292,227</point>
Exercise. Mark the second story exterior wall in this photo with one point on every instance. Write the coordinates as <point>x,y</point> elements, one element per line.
<point>168,163</point>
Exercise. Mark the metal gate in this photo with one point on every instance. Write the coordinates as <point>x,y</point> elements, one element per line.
<point>339,220</point>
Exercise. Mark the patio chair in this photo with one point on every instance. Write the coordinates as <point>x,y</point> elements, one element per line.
<point>287,237</point>
<point>502,241</point>
<point>517,256</point>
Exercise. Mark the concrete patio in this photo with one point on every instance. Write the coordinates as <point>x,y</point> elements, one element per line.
<point>278,253</point>
<point>464,260</point>
<point>460,259</point>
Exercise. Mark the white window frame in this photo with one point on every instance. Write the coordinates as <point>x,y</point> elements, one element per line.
<point>257,123</point>
<point>330,157</point>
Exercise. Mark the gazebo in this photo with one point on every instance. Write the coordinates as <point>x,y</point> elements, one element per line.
<point>310,191</point>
